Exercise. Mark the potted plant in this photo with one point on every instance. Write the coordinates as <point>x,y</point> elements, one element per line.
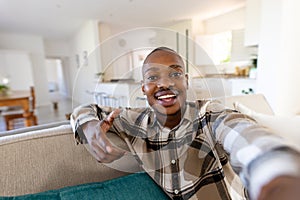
<point>252,73</point>
<point>100,76</point>
<point>3,89</point>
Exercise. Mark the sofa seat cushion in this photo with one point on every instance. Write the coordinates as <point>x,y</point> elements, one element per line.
<point>133,186</point>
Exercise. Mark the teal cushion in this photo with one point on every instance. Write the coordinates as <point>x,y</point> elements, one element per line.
<point>133,186</point>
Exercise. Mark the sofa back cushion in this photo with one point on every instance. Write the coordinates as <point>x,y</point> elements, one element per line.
<point>256,102</point>
<point>48,159</point>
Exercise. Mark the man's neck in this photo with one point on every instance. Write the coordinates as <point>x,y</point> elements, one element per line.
<point>170,121</point>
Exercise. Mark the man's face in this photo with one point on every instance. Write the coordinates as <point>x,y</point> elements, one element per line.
<point>165,82</point>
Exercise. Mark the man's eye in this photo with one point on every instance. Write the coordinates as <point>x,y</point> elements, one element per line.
<point>152,78</point>
<point>176,74</point>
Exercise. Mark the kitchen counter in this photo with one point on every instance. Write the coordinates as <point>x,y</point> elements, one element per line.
<point>218,85</point>
<point>129,93</point>
<point>120,93</point>
<point>225,76</point>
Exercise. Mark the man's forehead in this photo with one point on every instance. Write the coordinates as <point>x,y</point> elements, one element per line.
<point>162,54</point>
<point>163,58</point>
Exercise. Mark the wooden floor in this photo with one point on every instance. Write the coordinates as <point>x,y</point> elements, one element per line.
<point>47,114</point>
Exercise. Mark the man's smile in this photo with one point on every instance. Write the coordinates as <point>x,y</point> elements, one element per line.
<point>166,97</point>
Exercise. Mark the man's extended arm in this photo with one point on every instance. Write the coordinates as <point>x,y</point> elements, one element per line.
<point>256,154</point>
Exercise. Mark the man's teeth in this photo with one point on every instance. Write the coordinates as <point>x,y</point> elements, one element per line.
<point>167,96</point>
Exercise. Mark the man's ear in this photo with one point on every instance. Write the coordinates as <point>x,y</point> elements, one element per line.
<point>143,86</point>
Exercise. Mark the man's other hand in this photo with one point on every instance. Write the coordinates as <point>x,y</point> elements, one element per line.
<point>281,188</point>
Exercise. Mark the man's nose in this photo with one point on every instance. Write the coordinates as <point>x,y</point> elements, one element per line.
<point>165,82</point>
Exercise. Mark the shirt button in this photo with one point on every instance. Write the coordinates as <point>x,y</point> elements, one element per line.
<point>176,191</point>
<point>173,162</point>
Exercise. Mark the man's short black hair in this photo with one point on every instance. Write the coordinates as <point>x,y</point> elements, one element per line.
<point>161,49</point>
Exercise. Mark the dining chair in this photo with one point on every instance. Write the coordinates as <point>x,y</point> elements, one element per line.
<point>11,116</point>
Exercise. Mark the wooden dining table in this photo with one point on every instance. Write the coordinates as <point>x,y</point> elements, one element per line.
<point>18,98</point>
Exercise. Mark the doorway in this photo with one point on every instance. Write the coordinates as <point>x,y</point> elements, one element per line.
<point>55,76</point>
<point>56,80</point>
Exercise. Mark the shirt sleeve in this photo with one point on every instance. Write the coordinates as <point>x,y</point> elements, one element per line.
<point>83,114</point>
<point>253,149</point>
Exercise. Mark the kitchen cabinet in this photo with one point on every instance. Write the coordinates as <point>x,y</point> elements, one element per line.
<point>252,24</point>
<point>240,52</point>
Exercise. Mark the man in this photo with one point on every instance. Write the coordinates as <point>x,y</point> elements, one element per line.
<point>184,145</point>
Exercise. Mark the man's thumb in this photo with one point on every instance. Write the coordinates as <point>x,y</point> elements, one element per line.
<point>108,121</point>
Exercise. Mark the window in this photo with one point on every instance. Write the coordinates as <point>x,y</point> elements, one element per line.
<point>217,46</point>
<point>222,47</point>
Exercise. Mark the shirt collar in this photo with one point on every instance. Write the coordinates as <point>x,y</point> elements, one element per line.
<point>189,116</point>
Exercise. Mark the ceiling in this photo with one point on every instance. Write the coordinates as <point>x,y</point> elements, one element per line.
<point>59,19</point>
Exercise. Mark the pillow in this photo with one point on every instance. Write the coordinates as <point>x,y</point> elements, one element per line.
<point>287,127</point>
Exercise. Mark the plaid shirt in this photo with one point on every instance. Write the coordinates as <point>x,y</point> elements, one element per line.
<point>190,161</point>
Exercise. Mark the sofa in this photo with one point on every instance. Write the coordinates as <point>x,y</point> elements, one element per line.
<point>46,157</point>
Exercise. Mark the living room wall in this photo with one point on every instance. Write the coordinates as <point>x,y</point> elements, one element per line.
<point>60,49</point>
<point>79,73</point>
<point>82,72</point>
<point>35,47</point>
<point>278,62</point>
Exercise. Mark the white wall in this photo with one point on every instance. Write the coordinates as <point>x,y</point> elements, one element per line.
<point>60,49</point>
<point>35,47</point>
<point>83,78</point>
<point>57,48</point>
<point>278,62</point>
<point>16,66</point>
<point>229,21</point>
<point>78,78</point>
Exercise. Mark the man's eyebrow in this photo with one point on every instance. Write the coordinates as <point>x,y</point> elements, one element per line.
<point>151,69</point>
<point>176,66</point>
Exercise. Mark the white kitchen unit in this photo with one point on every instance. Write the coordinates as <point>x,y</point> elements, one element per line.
<point>253,19</point>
